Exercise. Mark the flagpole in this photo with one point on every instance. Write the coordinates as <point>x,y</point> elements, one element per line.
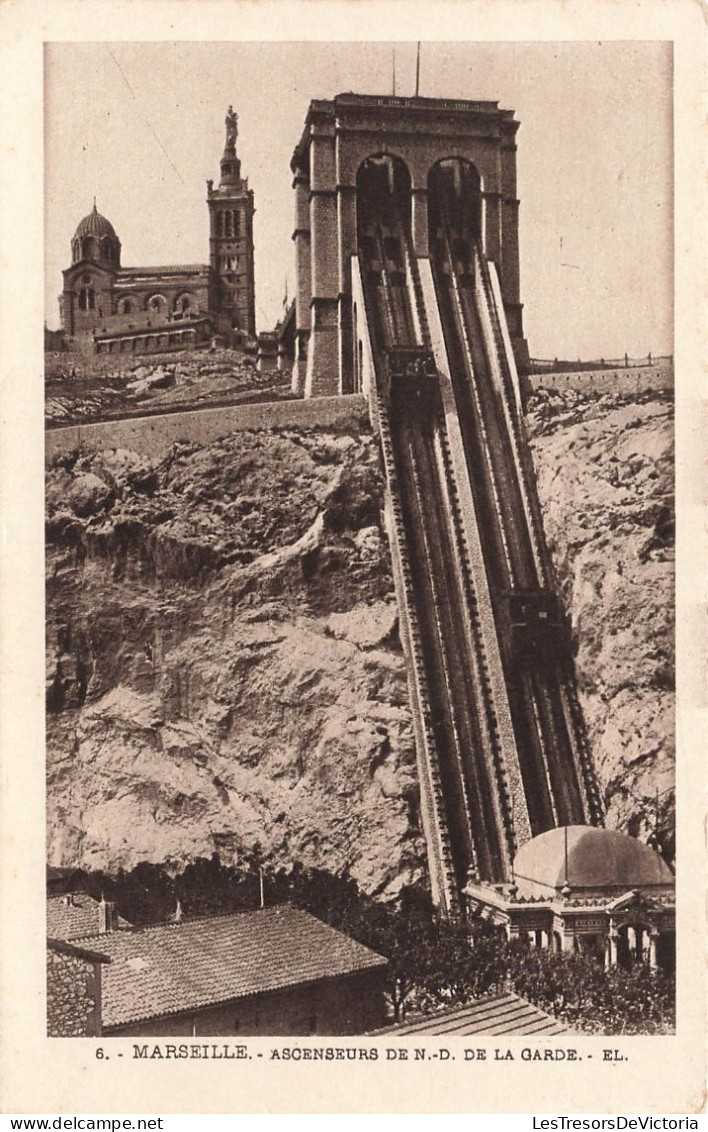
<point>417,69</point>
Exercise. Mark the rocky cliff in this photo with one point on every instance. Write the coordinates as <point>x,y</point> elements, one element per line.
<point>224,669</point>
<point>223,661</point>
<point>605,478</point>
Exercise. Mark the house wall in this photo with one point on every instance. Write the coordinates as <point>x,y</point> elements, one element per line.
<point>73,996</point>
<point>350,1005</point>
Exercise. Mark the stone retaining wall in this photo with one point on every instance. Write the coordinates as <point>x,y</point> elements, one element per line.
<point>640,380</point>
<point>155,435</point>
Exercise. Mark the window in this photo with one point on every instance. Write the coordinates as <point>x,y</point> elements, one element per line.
<point>87,299</point>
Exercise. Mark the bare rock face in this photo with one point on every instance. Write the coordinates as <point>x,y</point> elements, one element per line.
<point>605,477</point>
<point>223,664</point>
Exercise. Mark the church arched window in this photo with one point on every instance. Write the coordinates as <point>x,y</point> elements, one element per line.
<point>157,304</point>
<point>87,299</point>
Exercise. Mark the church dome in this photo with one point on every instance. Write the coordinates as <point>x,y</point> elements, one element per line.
<point>596,859</point>
<point>95,225</point>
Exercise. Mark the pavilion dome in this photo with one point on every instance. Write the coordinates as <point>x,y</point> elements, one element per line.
<point>596,859</point>
<point>95,225</point>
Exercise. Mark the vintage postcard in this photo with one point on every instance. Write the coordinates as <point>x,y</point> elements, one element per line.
<point>351,362</point>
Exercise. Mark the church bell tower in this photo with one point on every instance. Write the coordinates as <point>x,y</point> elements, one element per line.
<point>231,242</point>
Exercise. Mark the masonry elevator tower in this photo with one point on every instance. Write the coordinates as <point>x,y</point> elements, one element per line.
<point>408,291</point>
<point>338,136</point>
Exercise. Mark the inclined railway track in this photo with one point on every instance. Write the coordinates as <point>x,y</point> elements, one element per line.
<point>474,792</point>
<point>552,747</point>
<point>466,797</point>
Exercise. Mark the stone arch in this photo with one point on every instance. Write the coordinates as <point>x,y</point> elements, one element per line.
<point>383,185</point>
<point>184,302</point>
<point>455,197</point>
<point>156,303</point>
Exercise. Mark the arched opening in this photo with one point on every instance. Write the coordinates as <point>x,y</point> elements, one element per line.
<point>455,199</point>
<point>184,305</point>
<point>89,248</point>
<point>125,306</point>
<point>157,304</point>
<point>383,192</point>
<point>383,198</point>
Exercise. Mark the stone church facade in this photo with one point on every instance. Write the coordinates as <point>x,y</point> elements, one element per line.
<point>110,309</point>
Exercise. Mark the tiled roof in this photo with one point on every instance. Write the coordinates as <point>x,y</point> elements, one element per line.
<point>168,269</point>
<point>64,948</point>
<point>499,1014</point>
<point>78,918</point>
<point>172,968</point>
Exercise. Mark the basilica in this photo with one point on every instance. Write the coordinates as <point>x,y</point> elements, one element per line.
<point>107,308</point>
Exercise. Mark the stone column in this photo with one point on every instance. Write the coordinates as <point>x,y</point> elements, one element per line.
<point>419,222</point>
<point>567,941</point>
<point>654,949</point>
<point>613,946</point>
<point>347,236</point>
<point>322,378</point>
<point>509,265</point>
<point>632,944</point>
<point>492,226</point>
<point>303,270</point>
<point>512,930</point>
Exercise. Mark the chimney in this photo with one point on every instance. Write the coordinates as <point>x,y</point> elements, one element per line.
<point>68,899</point>
<point>106,916</point>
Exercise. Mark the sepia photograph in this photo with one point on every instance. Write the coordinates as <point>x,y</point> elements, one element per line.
<point>359,544</point>
<point>351,513</point>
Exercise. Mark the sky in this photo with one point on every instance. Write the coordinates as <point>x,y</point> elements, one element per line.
<point>141,127</point>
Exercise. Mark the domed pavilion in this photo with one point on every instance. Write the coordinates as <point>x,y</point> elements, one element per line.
<point>589,890</point>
